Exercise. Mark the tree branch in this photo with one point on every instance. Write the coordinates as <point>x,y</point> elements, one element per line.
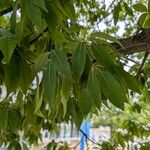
<point>134,44</point>
<point>89,138</point>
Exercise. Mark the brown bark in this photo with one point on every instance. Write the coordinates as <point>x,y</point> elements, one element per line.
<point>139,42</point>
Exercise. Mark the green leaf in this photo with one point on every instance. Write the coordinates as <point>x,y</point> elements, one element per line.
<point>84,101</point>
<point>26,76</point>
<point>146,24</point>
<point>67,9</point>
<point>40,4</point>
<point>111,88</point>
<point>140,7</point>
<point>8,43</point>
<point>14,117</point>
<point>129,80</point>
<point>149,6</point>
<point>128,9</point>
<point>52,145</point>
<point>40,62</point>
<point>19,32</point>
<point>24,146</point>
<point>58,36</point>
<point>14,145</point>
<point>116,13</point>
<point>66,89</point>
<point>61,64</point>
<point>106,37</point>
<point>78,61</point>
<point>12,74</point>
<point>39,98</point>
<point>53,22</point>
<point>74,110</point>
<point>13,19</point>
<point>30,117</point>
<point>93,87</point>
<point>142,18</point>
<point>3,116</point>
<point>33,12</point>
<point>19,100</point>
<point>101,53</point>
<point>49,83</point>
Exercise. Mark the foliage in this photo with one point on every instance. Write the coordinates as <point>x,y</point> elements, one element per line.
<point>130,126</point>
<point>60,146</point>
<point>58,66</point>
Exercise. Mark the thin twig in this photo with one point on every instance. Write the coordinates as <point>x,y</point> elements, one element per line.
<point>129,59</point>
<point>142,64</point>
<point>89,138</point>
<point>39,36</point>
<point>78,142</point>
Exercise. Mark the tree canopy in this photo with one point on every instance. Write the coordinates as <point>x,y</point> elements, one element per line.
<point>63,59</point>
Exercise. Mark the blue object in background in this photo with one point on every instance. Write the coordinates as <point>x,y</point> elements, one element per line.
<point>85,127</point>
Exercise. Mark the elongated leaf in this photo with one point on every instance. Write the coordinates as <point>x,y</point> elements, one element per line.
<point>70,104</point>
<point>140,7</point>
<point>39,98</point>
<point>116,13</point>
<point>78,61</point>
<point>66,88</point>
<point>146,24</point>
<point>30,116</point>
<point>53,22</point>
<point>94,91</point>
<point>58,36</point>
<point>148,5</point>
<point>129,80</point>
<point>128,9</point>
<point>67,8</point>
<point>8,43</point>
<point>106,37</point>
<point>26,76</point>
<point>14,117</point>
<point>49,81</point>
<point>4,117</point>
<point>85,102</point>
<point>19,100</point>
<point>14,144</point>
<point>61,64</point>
<point>18,74</point>
<point>19,32</point>
<point>33,12</point>
<point>40,62</point>
<point>74,110</point>
<point>111,88</point>
<point>13,19</point>
<point>24,146</point>
<point>142,18</point>
<point>87,69</point>
<point>101,53</point>
<point>40,3</point>
<point>12,74</point>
